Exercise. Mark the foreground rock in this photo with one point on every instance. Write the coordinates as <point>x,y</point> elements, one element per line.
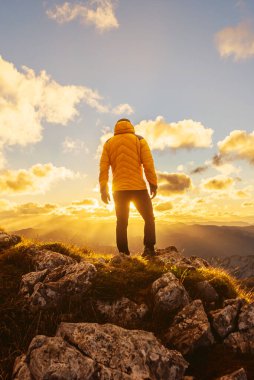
<point>45,259</point>
<point>190,329</point>
<point>46,289</point>
<point>243,340</point>
<point>123,312</point>
<point>169,295</point>
<point>206,292</point>
<point>7,241</point>
<point>224,321</point>
<point>170,255</point>
<point>240,374</point>
<point>92,351</point>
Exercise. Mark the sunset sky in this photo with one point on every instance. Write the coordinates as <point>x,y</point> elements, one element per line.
<point>181,70</point>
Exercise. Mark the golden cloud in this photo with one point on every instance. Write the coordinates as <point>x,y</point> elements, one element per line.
<point>248,204</point>
<point>236,41</point>
<point>37,179</point>
<point>173,183</point>
<point>100,13</point>
<point>27,100</point>
<point>163,206</point>
<point>217,183</point>
<point>88,202</point>
<point>184,134</point>
<point>35,208</point>
<point>238,145</point>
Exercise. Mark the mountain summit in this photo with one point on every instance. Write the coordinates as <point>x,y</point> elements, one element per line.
<point>68,313</point>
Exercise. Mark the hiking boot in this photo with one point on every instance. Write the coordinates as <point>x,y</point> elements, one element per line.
<point>125,253</point>
<point>149,252</point>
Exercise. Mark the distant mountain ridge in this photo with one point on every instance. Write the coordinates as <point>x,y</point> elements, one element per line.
<point>241,267</point>
<point>201,240</point>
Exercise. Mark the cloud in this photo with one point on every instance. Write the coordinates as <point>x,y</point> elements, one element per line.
<point>173,183</point>
<point>184,134</point>
<point>35,208</point>
<point>100,13</point>
<point>217,183</point>
<point>74,146</point>
<point>37,179</point>
<point>238,145</point>
<point>248,204</point>
<point>123,109</point>
<point>199,169</point>
<point>164,206</point>
<point>28,100</point>
<point>88,202</point>
<point>236,41</point>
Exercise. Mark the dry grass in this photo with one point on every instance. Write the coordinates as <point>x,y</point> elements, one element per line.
<point>129,277</point>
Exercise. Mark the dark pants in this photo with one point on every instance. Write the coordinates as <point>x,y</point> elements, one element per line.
<point>143,204</point>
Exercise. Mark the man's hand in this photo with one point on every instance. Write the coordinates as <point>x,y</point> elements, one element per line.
<point>153,190</point>
<point>105,197</point>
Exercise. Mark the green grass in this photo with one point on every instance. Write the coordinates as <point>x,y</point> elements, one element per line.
<point>129,277</point>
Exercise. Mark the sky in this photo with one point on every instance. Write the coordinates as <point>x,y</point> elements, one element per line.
<point>181,71</point>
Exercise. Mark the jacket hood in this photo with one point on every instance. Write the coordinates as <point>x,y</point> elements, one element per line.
<point>123,126</point>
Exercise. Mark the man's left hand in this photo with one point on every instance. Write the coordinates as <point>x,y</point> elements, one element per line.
<point>153,190</point>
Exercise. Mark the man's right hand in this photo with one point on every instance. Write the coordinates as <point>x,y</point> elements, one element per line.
<point>105,197</point>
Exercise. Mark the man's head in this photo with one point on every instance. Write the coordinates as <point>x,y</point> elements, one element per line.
<point>123,126</point>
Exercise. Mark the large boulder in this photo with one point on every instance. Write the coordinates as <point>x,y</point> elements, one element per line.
<point>206,292</point>
<point>107,352</point>
<point>46,289</point>
<point>246,317</point>
<point>171,256</point>
<point>243,340</point>
<point>190,329</point>
<point>224,321</point>
<point>240,374</point>
<point>7,241</point>
<point>46,259</point>
<point>123,312</point>
<point>169,295</point>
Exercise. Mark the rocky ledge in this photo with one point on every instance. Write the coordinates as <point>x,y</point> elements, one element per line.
<point>143,338</point>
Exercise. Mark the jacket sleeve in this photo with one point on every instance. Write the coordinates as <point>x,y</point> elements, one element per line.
<point>147,161</point>
<point>104,168</point>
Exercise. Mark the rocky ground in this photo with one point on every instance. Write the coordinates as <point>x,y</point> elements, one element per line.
<point>74,315</point>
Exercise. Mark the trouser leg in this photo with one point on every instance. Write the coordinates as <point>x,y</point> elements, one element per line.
<point>143,203</point>
<point>122,204</point>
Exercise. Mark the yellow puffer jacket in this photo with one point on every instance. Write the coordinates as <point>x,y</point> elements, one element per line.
<point>126,153</point>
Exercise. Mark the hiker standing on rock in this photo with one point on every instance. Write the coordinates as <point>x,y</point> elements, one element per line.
<point>126,153</point>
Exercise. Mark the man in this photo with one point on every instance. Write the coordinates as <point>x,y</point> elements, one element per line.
<point>127,154</point>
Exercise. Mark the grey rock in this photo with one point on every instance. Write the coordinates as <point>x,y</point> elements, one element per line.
<point>190,329</point>
<point>45,259</point>
<point>171,256</point>
<point>224,321</point>
<point>123,312</point>
<point>246,317</point>
<point>21,370</point>
<point>241,341</point>
<point>237,302</point>
<point>29,280</point>
<point>206,292</point>
<point>134,352</point>
<point>92,351</point>
<point>119,259</point>
<point>62,281</point>
<point>169,295</point>
<point>240,374</point>
<point>7,241</point>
